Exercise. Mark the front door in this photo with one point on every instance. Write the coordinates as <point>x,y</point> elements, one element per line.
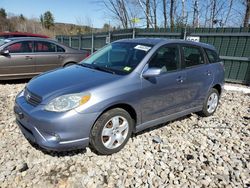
<point>19,62</point>
<point>167,93</point>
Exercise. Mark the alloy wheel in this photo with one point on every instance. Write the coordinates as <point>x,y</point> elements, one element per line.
<point>115,132</point>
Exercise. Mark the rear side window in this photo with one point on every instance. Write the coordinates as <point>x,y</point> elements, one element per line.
<point>212,56</point>
<point>192,56</point>
<point>45,47</point>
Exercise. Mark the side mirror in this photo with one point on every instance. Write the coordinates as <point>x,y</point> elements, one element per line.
<point>151,72</point>
<point>4,52</point>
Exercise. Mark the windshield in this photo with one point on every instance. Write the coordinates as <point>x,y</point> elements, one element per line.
<point>118,58</point>
<point>3,41</point>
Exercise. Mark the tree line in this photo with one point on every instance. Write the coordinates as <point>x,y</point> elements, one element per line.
<point>139,13</point>
<point>44,25</point>
<point>178,13</point>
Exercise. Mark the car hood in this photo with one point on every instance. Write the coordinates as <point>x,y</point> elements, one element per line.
<point>72,79</point>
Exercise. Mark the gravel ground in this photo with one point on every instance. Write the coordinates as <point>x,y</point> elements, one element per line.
<point>192,151</point>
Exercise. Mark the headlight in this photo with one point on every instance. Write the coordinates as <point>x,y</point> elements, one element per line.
<point>21,93</point>
<point>67,102</point>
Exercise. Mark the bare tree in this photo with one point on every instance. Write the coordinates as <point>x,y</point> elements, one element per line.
<point>119,10</point>
<point>183,11</point>
<point>154,9</point>
<point>172,4</point>
<point>208,13</point>
<point>164,3</point>
<point>247,14</point>
<point>212,15</point>
<point>196,14</point>
<point>145,6</point>
<point>147,12</point>
<point>229,11</point>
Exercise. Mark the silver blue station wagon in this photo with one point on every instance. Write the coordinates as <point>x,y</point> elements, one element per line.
<point>127,86</point>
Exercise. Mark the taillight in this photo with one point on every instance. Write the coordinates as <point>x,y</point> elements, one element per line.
<point>87,54</point>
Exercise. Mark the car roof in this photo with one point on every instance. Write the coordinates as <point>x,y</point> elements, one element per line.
<point>30,38</point>
<point>22,33</point>
<point>155,41</point>
<point>20,39</point>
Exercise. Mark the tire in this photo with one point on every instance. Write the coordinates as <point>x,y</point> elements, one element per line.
<point>208,109</point>
<point>109,129</point>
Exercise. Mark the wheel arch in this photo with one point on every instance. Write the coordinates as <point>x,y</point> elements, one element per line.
<point>127,107</point>
<point>69,62</point>
<point>218,88</point>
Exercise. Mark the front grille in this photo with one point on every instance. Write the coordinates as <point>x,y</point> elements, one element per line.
<point>32,98</point>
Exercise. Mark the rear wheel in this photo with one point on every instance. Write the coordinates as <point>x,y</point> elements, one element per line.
<point>111,131</point>
<point>211,103</point>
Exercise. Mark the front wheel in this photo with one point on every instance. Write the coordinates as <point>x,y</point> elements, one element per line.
<point>211,103</point>
<point>111,131</point>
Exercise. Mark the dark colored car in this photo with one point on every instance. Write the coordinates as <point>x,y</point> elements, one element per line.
<point>5,35</point>
<point>126,87</point>
<point>28,56</point>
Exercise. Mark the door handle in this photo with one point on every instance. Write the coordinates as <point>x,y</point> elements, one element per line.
<point>180,79</point>
<point>208,73</point>
<point>60,57</point>
<point>28,57</point>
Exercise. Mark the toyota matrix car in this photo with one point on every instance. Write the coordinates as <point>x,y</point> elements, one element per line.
<point>125,87</point>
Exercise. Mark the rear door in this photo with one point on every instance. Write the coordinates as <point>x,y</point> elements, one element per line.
<point>47,57</point>
<point>20,61</point>
<point>199,74</point>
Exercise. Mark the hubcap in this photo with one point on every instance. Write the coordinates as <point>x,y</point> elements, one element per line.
<point>115,132</point>
<point>212,102</point>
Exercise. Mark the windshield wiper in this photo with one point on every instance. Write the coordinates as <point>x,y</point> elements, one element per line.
<point>94,66</point>
<point>104,69</point>
<point>85,65</point>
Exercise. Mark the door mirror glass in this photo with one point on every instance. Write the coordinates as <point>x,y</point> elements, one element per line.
<point>4,52</point>
<point>152,72</point>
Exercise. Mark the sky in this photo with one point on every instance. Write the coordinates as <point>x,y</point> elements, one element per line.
<point>65,11</point>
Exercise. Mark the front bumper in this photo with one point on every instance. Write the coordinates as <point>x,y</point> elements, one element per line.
<point>51,130</point>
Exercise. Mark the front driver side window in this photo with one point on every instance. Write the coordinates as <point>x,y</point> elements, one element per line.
<point>166,58</point>
<point>20,47</point>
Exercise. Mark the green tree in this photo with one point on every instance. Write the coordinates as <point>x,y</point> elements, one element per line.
<point>3,13</point>
<point>4,24</point>
<point>22,18</point>
<point>47,19</point>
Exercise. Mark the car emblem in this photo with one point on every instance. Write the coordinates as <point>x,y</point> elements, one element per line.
<point>28,96</point>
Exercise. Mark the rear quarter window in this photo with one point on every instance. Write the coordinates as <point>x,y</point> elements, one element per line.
<point>212,55</point>
<point>59,49</point>
<point>193,56</point>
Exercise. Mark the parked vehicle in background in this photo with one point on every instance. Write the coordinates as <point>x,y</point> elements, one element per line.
<point>126,87</point>
<point>29,56</point>
<point>5,35</point>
